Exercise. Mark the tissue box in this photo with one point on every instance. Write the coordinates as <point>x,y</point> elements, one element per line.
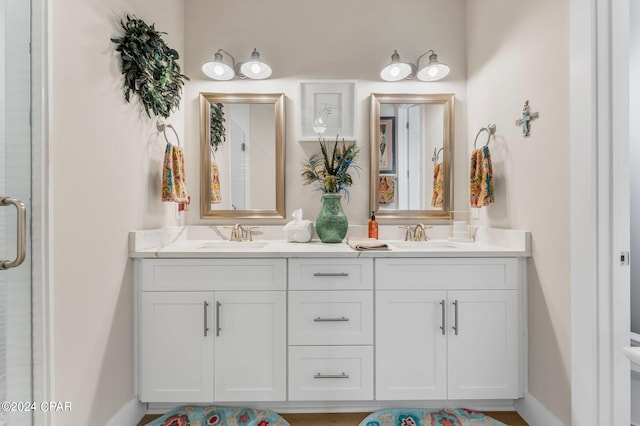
<point>298,230</point>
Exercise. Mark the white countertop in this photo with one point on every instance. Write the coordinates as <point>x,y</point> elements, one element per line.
<point>209,242</point>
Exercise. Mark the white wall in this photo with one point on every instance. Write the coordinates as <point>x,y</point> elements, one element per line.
<point>106,155</point>
<point>105,159</point>
<point>331,39</point>
<point>519,51</point>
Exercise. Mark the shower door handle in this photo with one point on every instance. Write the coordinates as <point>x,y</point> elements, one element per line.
<point>22,233</point>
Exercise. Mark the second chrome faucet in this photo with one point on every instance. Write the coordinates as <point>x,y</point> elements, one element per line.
<point>242,233</point>
<point>418,233</point>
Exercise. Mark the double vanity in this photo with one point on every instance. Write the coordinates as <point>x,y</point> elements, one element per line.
<point>321,327</point>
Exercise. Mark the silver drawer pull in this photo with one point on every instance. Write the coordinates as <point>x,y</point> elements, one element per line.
<point>206,304</point>
<point>218,328</point>
<point>343,319</point>
<point>443,318</point>
<point>331,376</point>
<point>455,322</point>
<point>331,274</point>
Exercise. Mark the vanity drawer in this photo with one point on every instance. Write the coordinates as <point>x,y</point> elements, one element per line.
<point>331,317</point>
<point>330,274</point>
<point>448,274</point>
<point>330,373</point>
<point>213,274</point>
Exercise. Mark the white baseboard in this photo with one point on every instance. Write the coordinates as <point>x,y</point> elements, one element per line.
<point>129,414</point>
<point>534,413</point>
<point>351,406</point>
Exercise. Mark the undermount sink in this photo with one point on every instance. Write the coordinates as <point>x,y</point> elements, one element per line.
<point>237,245</point>
<point>424,245</point>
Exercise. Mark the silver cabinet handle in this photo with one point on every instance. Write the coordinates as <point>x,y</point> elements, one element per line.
<point>331,274</point>
<point>21,244</point>
<point>343,319</point>
<point>206,304</point>
<point>331,376</point>
<point>218,328</point>
<point>443,319</point>
<point>455,326</point>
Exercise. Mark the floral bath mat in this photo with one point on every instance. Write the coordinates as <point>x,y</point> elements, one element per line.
<point>220,416</point>
<point>423,417</point>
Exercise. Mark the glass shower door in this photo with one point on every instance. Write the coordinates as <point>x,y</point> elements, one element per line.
<point>15,207</point>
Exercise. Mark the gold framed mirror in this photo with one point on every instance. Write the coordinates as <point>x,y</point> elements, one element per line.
<point>242,155</point>
<point>411,145</point>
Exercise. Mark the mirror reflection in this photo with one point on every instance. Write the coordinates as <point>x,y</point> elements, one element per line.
<point>410,155</point>
<point>242,148</point>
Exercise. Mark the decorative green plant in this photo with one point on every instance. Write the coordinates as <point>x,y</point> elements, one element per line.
<point>218,133</point>
<point>150,68</point>
<point>331,172</point>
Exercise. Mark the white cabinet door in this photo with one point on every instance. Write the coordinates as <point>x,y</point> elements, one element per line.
<point>176,348</point>
<point>483,344</point>
<point>250,346</point>
<point>411,357</point>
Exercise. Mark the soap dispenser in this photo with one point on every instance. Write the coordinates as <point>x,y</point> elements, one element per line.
<point>373,226</point>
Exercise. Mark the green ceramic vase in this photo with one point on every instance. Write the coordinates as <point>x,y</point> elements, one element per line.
<point>331,223</point>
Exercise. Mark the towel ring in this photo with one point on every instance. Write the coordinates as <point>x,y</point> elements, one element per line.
<point>162,127</point>
<point>436,154</point>
<point>490,129</point>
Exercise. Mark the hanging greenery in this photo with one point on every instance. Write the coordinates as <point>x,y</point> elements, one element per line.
<point>150,68</point>
<point>218,133</point>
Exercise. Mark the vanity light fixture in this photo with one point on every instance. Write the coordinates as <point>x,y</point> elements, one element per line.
<point>254,68</point>
<point>398,70</point>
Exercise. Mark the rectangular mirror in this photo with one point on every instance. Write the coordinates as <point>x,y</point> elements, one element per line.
<point>242,149</point>
<point>411,145</point>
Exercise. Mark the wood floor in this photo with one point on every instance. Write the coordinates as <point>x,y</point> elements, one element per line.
<point>510,418</point>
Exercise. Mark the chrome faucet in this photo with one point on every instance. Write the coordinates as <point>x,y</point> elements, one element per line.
<point>237,233</point>
<point>242,233</point>
<point>418,233</point>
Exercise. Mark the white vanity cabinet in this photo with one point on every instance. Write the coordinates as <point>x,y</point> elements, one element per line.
<point>211,330</point>
<point>321,327</point>
<point>449,328</point>
<point>330,329</point>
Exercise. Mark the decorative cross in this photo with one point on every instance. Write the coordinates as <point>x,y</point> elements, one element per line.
<point>527,117</point>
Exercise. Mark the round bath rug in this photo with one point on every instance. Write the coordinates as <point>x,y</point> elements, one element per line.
<point>218,416</point>
<point>425,417</point>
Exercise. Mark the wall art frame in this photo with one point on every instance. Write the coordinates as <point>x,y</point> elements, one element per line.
<point>331,101</point>
<point>387,145</point>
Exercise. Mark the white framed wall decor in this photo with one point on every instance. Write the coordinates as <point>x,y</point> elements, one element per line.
<point>327,109</point>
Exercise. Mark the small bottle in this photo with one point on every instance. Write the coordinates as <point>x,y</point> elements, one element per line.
<point>373,226</point>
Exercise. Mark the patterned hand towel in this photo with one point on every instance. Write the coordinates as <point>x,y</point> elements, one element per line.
<point>481,175</point>
<point>215,195</point>
<point>386,189</point>
<point>174,183</point>
<point>438,185</point>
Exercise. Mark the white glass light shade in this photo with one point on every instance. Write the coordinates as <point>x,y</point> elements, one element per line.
<point>434,70</point>
<point>217,69</point>
<point>254,68</point>
<point>396,70</point>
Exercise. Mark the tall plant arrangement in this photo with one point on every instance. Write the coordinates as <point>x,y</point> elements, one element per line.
<point>150,68</point>
<point>216,127</point>
<point>330,172</point>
